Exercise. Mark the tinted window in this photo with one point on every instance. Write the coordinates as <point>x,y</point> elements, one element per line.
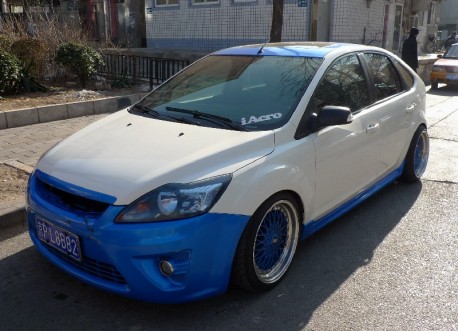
<point>406,76</point>
<point>258,92</point>
<point>344,84</point>
<point>384,76</point>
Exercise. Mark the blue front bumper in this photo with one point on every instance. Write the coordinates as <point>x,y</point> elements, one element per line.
<point>125,258</point>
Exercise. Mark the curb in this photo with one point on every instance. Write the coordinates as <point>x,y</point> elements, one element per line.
<point>22,117</point>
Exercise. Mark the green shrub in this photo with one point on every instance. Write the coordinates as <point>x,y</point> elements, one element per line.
<point>80,59</point>
<point>4,43</point>
<point>10,73</point>
<point>32,53</point>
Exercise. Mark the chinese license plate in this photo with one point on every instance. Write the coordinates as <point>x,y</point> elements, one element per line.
<point>452,76</point>
<point>62,240</point>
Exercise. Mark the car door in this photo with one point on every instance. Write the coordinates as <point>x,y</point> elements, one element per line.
<point>394,105</point>
<point>345,154</point>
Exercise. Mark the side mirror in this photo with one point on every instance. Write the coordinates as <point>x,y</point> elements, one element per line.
<point>334,115</point>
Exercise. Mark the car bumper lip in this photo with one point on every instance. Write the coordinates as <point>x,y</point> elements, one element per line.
<point>125,258</point>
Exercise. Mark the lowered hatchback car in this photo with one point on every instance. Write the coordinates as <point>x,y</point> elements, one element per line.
<point>445,70</point>
<point>214,177</point>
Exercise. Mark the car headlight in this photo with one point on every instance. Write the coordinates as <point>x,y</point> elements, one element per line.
<point>438,68</point>
<point>175,201</point>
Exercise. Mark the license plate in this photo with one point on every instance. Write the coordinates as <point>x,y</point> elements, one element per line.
<point>62,240</point>
<point>452,76</point>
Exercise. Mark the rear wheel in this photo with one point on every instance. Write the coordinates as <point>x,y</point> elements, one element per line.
<point>268,244</point>
<point>417,156</point>
<point>434,85</point>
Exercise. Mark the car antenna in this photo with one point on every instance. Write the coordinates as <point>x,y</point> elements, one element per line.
<point>262,47</point>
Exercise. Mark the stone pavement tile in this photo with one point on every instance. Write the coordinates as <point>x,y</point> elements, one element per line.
<point>27,143</point>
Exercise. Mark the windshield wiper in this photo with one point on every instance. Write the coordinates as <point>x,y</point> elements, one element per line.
<point>156,114</point>
<point>146,110</point>
<point>216,119</point>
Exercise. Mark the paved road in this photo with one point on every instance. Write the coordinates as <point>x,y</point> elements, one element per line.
<point>390,264</point>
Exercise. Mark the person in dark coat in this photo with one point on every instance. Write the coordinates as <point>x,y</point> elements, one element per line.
<point>450,40</point>
<point>410,49</point>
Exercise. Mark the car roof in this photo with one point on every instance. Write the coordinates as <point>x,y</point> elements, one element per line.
<point>299,49</point>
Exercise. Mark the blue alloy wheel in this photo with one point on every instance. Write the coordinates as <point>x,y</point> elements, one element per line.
<point>421,154</point>
<point>268,244</point>
<point>417,156</point>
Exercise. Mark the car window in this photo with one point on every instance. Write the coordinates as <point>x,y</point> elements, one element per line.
<point>384,75</point>
<point>344,84</point>
<point>407,77</point>
<point>452,52</point>
<point>257,92</point>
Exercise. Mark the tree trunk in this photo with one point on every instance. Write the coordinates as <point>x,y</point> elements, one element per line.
<point>277,21</point>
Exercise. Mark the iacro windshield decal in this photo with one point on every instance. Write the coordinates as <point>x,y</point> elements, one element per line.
<point>262,118</point>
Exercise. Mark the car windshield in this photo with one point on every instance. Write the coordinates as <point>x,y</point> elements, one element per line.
<point>248,93</point>
<point>452,52</point>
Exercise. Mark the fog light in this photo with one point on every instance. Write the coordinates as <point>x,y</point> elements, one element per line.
<point>166,268</point>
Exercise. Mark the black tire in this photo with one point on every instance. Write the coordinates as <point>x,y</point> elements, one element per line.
<point>434,85</point>
<point>417,156</point>
<point>267,245</point>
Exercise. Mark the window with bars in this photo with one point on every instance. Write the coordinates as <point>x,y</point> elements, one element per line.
<point>202,2</point>
<point>160,3</point>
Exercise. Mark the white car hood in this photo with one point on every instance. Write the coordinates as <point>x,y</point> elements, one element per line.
<point>126,155</point>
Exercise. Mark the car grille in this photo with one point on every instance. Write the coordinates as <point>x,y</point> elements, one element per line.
<point>69,201</point>
<point>99,269</point>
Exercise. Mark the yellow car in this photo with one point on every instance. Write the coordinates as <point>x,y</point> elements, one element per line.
<point>445,70</point>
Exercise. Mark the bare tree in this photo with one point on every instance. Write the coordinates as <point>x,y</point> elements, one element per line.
<point>277,20</point>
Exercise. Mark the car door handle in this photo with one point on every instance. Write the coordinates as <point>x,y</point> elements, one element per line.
<point>411,108</point>
<point>372,127</point>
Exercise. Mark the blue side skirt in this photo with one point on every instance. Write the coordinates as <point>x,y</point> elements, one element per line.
<point>313,226</point>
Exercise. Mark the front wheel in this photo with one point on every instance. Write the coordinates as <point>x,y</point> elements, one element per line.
<point>268,244</point>
<point>417,156</point>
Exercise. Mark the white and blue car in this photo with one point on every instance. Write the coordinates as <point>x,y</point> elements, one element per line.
<point>214,177</point>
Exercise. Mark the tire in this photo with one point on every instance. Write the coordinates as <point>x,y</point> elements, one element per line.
<point>267,245</point>
<point>434,85</point>
<point>417,156</point>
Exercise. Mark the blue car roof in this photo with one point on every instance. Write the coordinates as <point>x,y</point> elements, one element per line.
<point>306,49</point>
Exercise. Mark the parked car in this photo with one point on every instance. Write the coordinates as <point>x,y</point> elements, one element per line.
<point>215,176</point>
<point>445,69</point>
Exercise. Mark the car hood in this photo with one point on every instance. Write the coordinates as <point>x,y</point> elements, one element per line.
<point>446,62</point>
<point>126,155</point>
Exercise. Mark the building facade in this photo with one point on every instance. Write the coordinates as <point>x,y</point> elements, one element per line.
<point>207,25</point>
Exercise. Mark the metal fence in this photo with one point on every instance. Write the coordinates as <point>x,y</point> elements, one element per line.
<point>137,68</point>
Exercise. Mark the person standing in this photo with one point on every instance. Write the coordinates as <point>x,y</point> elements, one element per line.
<point>450,40</point>
<point>410,49</point>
